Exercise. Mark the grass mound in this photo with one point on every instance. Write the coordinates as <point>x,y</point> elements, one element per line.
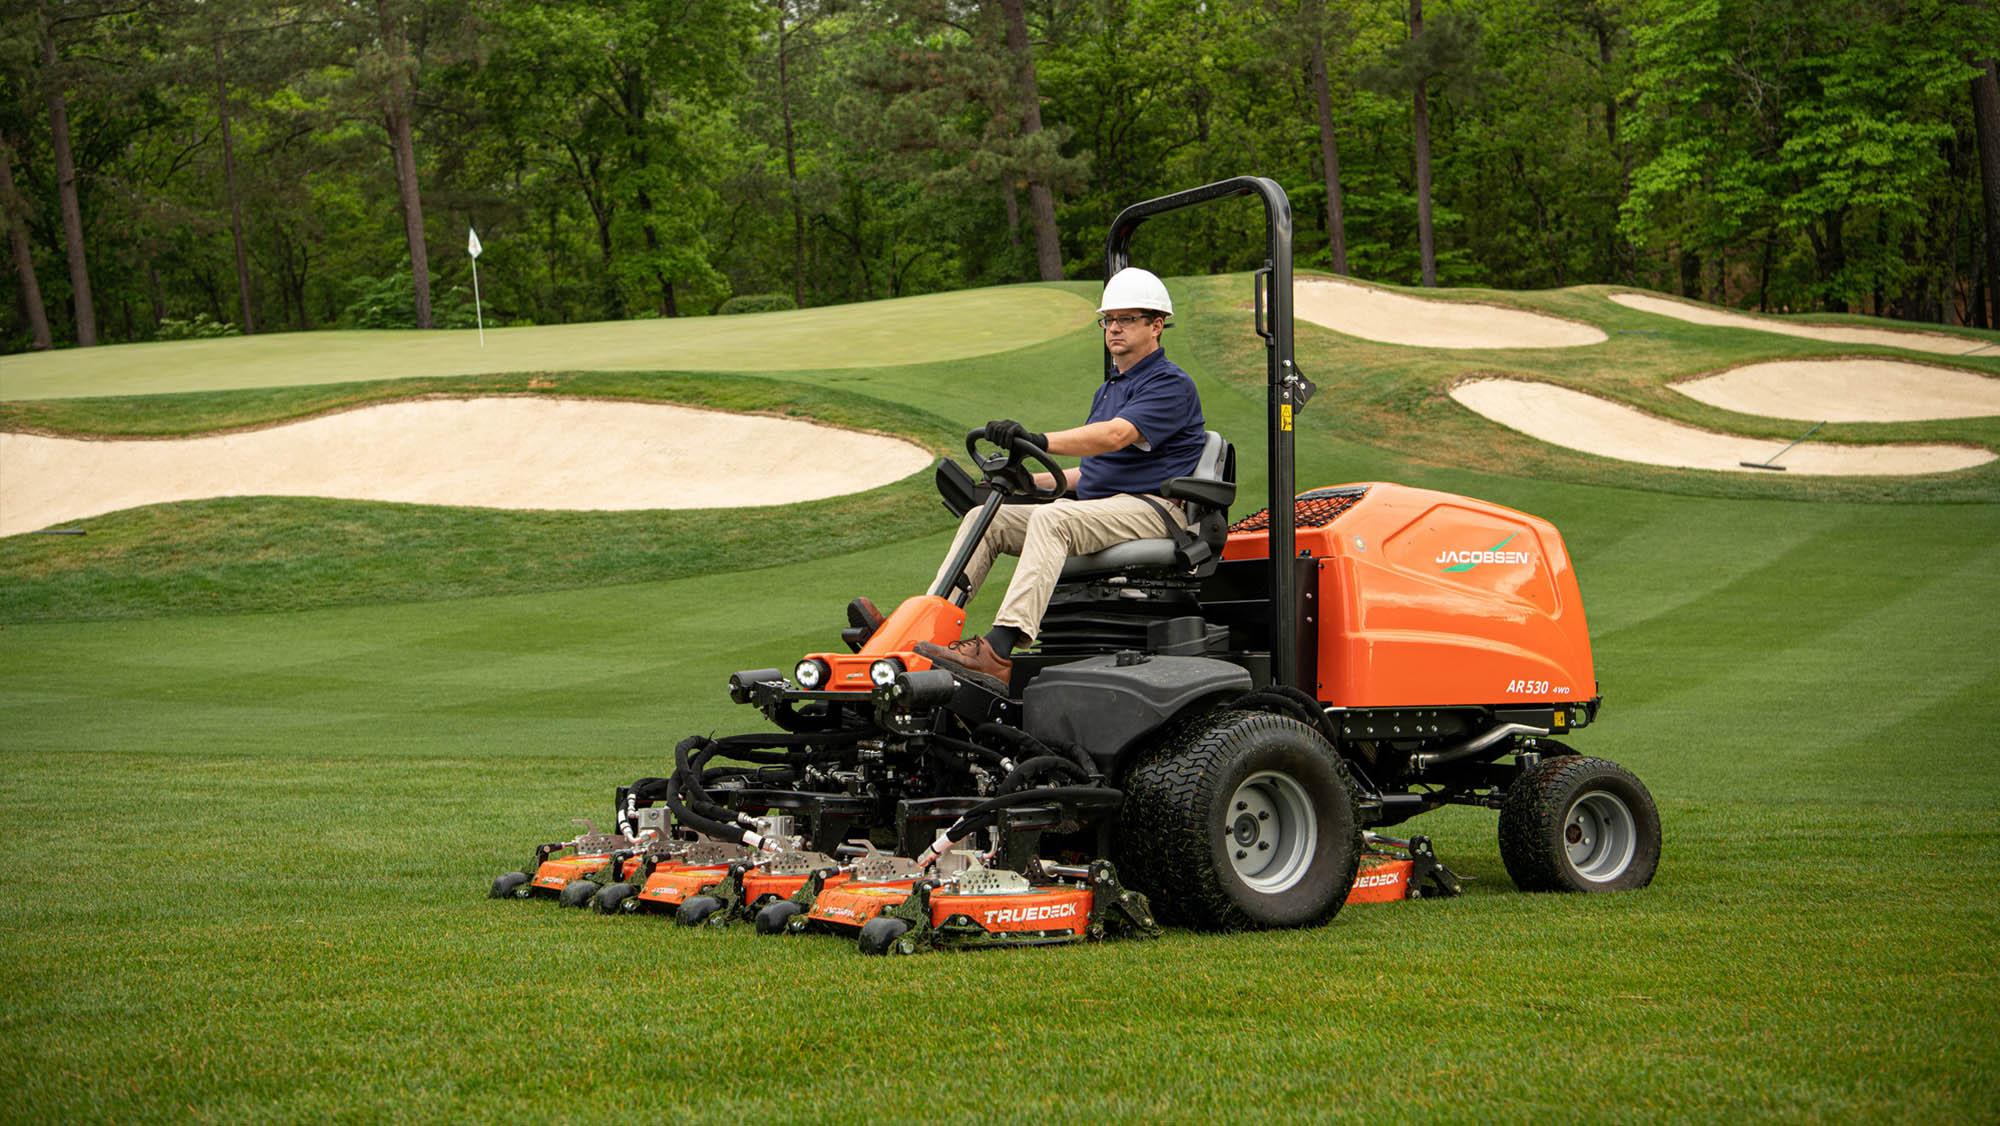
<point>904,330</point>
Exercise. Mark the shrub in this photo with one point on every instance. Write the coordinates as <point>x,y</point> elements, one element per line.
<point>756,303</point>
<point>391,302</point>
<point>200,327</point>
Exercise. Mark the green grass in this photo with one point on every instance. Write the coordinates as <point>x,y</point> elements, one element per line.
<point>932,327</point>
<point>247,851</point>
<point>313,803</point>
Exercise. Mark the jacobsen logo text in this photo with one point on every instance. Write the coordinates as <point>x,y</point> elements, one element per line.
<point>1466,560</point>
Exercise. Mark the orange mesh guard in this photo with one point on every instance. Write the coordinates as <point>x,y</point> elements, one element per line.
<point>670,887</point>
<point>759,886</point>
<point>851,905</point>
<point>557,874</point>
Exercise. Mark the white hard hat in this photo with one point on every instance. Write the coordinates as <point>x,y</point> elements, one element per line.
<point>1134,288</point>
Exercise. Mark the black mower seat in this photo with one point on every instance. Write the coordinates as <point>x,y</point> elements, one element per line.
<point>1206,492</point>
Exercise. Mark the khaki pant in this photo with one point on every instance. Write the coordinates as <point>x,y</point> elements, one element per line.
<point>1046,535</point>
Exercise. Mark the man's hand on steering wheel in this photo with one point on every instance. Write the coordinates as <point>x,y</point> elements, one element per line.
<point>1002,432</point>
<point>1009,472</point>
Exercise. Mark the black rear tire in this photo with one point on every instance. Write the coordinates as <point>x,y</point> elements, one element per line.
<point>1194,829</point>
<point>879,934</point>
<point>508,886</point>
<point>612,899</point>
<point>695,910</point>
<point>577,893</point>
<point>773,919</point>
<point>1579,824</point>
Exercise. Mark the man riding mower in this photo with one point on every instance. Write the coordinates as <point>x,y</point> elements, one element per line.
<point>1220,711</point>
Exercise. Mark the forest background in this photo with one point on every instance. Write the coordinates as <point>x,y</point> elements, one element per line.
<point>205,167</point>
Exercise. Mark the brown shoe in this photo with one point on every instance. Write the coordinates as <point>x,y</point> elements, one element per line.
<point>973,659</point>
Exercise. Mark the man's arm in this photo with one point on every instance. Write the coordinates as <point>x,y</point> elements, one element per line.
<point>1070,477</point>
<point>1094,438</point>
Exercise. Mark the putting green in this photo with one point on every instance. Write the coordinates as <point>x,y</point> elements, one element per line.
<point>939,326</point>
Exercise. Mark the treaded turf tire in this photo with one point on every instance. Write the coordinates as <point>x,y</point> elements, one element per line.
<point>1535,817</point>
<point>1174,841</point>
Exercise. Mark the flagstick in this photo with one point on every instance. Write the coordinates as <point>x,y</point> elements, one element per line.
<point>477,315</point>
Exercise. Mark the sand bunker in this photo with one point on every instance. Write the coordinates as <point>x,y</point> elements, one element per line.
<point>1704,315</point>
<point>488,453</point>
<point>1596,426</point>
<point>1392,318</point>
<point>1848,391</point>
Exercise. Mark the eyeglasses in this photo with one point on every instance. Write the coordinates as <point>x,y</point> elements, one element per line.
<point>1123,322</point>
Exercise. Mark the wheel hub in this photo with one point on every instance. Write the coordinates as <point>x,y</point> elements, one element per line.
<point>1271,833</point>
<point>1600,836</point>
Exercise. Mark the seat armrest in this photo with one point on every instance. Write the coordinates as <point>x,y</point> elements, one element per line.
<point>1201,490</point>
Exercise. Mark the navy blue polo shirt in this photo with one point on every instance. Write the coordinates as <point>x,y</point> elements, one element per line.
<point>1159,399</point>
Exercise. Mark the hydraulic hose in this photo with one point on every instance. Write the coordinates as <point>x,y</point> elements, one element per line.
<point>1028,743</point>
<point>736,834</point>
<point>1026,773</point>
<point>987,755</point>
<point>986,813</point>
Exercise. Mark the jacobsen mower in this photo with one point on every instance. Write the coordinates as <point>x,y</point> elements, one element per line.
<point>1212,725</point>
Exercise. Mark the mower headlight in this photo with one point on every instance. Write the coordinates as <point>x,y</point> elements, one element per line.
<point>811,673</point>
<point>884,672</point>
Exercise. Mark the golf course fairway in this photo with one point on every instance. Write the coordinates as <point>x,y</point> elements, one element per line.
<point>264,755</point>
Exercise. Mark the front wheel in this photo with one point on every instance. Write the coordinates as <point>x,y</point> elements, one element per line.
<point>1241,820</point>
<point>1579,824</point>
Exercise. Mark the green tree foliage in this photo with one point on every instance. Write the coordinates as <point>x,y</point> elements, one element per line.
<point>625,158</point>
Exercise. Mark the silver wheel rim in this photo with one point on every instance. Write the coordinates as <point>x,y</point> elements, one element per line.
<point>1600,836</point>
<point>1270,832</point>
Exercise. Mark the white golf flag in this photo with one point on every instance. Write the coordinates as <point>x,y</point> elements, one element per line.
<point>472,247</point>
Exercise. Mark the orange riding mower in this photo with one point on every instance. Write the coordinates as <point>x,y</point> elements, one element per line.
<point>1228,712</point>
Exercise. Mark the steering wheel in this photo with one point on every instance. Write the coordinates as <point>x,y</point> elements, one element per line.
<point>1008,474</point>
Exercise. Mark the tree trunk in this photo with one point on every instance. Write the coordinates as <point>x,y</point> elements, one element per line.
<point>72,212</point>
<point>396,119</point>
<point>1620,252</point>
<point>1834,260</point>
<point>1013,214</point>
<point>1329,154</point>
<point>16,215</point>
<point>1690,275</point>
<point>791,165</point>
<point>1421,123</point>
<point>1041,201</point>
<point>1986,123</point>
<point>229,185</point>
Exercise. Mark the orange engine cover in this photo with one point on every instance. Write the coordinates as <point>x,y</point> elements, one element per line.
<point>850,904</point>
<point>920,618</point>
<point>1424,598</point>
<point>1040,911</point>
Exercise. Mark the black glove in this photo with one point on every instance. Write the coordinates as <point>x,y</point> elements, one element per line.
<point>1002,432</point>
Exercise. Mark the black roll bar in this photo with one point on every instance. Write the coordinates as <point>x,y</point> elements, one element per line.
<point>1287,389</point>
